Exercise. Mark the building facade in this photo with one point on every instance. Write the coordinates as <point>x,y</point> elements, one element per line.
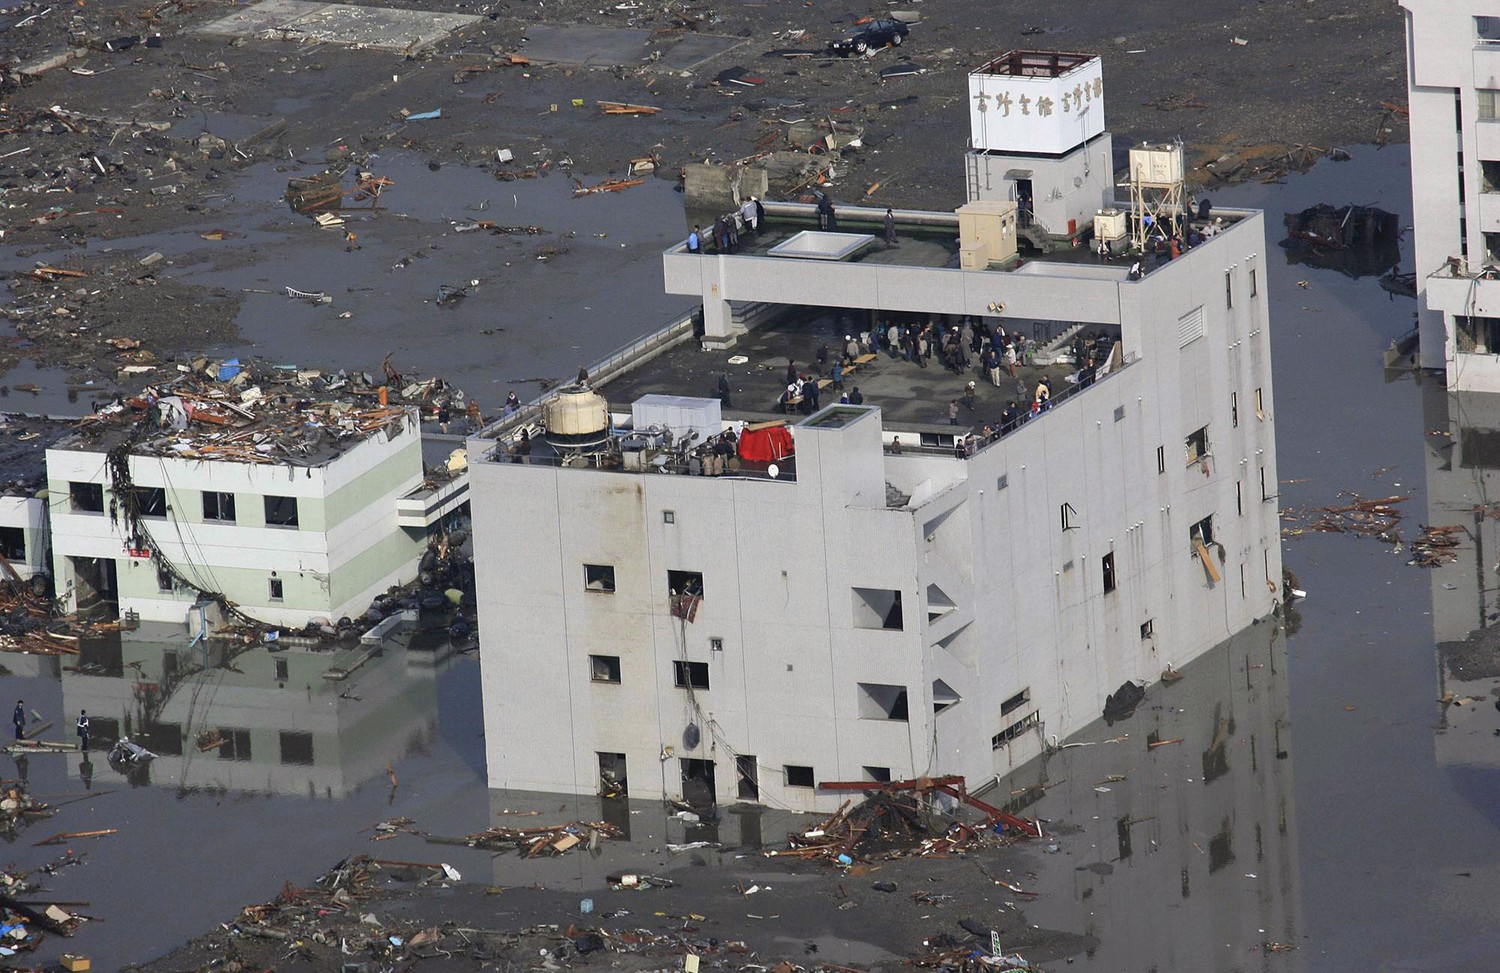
<point>870,612</point>
<point>1453,80</point>
<point>286,542</point>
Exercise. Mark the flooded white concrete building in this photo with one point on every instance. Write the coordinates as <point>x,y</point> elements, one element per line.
<point>1453,84</point>
<point>312,521</point>
<point>892,587</point>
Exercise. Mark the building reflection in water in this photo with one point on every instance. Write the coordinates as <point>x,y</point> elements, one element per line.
<point>283,718</point>
<point>1176,842</point>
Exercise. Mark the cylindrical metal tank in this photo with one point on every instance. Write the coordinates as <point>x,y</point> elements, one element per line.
<point>577,417</point>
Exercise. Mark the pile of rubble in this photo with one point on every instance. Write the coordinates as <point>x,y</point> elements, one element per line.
<point>557,839</point>
<point>905,819</point>
<point>1377,518</point>
<point>18,809</point>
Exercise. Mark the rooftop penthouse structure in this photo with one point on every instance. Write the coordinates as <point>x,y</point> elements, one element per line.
<point>682,569</point>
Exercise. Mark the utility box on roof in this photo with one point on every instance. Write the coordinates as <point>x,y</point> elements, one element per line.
<point>986,233</point>
<point>684,415</point>
<point>1109,224</point>
<point>1036,102</point>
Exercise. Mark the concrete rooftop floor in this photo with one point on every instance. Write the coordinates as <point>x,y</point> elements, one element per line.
<point>907,394</point>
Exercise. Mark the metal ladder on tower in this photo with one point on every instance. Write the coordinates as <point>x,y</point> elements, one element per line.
<point>971,163</point>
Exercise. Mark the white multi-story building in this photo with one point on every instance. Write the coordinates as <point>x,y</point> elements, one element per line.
<point>1453,58</point>
<point>299,512</point>
<point>855,607</point>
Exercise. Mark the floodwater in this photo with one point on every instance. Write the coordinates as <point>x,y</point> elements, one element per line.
<point>599,286</point>
<point>1320,796</point>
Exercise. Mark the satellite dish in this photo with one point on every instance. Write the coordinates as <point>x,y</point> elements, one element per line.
<point>773,471</point>
<point>690,737</point>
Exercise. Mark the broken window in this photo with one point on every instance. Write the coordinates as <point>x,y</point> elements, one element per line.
<point>690,675</point>
<point>1197,445</point>
<point>164,581</point>
<point>878,608</point>
<point>276,589</point>
<point>698,787</point>
<point>1016,702</point>
<point>715,644</point>
<point>296,748</point>
<point>881,701</point>
<point>149,501</point>
<point>86,497</point>
<point>1234,410</point>
<point>685,583</point>
<point>1148,629</point>
<point>1263,494</point>
<point>799,776</point>
<point>1017,728</point>
<point>613,781</point>
<point>235,745</point>
<point>1069,517</point>
<point>1203,531</point>
<point>281,511</point>
<point>599,577</point>
<point>1477,335</point>
<point>13,543</point>
<point>880,775</point>
<point>1161,459</point>
<point>747,777</point>
<point>218,506</point>
<point>604,668</point>
<point>1107,566</point>
<point>1260,407</point>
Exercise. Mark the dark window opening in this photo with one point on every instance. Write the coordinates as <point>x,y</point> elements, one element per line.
<point>1263,494</point>
<point>1015,702</point>
<point>668,517</point>
<point>604,668</point>
<point>86,497</point>
<point>1107,566</point>
<point>613,781</point>
<point>1490,171</point>
<point>1234,410</point>
<point>599,577</point>
<point>690,675</point>
<point>880,701</point>
<point>715,644</point>
<point>878,608</point>
<point>1260,406</point>
<point>218,506</point>
<point>1254,287</point>
<point>1202,532</point>
<point>149,501</point>
<point>276,589</point>
<point>1161,459</point>
<point>296,748</point>
<point>1148,629</point>
<point>164,579</point>
<point>283,671</point>
<point>1487,28</point>
<point>1017,728</point>
<point>799,776</point>
<point>881,775</point>
<point>747,775</point>
<point>698,786</point>
<point>686,583</point>
<point>235,745</point>
<point>162,739</point>
<point>1069,517</point>
<point>281,511</point>
<point>1229,288</point>
<point>106,729</point>
<point>13,543</point>
<point>1477,335</point>
<point>1197,444</point>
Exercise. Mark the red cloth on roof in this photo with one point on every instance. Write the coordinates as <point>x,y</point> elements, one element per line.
<point>766,445</point>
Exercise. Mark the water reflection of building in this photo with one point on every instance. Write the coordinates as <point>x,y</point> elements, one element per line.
<point>1463,488</point>
<point>1187,854</point>
<point>288,721</point>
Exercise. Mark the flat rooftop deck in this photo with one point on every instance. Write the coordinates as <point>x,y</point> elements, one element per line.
<point>907,394</point>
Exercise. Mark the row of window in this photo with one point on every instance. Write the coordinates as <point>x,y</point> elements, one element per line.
<point>152,502</point>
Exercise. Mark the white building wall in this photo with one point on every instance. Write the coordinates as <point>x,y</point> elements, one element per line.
<point>29,516</point>
<point>1447,63</point>
<point>237,559</point>
<point>780,560</point>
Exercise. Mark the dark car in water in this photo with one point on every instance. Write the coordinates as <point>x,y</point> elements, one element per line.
<point>869,36</point>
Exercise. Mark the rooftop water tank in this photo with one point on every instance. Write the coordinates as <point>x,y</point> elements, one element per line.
<point>577,417</point>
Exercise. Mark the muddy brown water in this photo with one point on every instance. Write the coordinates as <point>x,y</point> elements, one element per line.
<point>1307,804</point>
